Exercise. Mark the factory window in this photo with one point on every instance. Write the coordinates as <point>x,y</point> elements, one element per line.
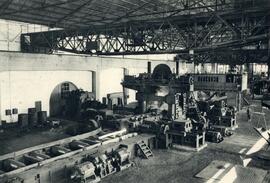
<point>64,90</point>
<point>14,111</point>
<point>8,112</point>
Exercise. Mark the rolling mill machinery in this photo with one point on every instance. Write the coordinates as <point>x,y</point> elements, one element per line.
<point>94,168</point>
<point>231,84</point>
<point>170,95</point>
<point>219,97</point>
<point>183,118</point>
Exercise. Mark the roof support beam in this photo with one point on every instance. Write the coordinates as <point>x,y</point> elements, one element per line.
<point>73,12</point>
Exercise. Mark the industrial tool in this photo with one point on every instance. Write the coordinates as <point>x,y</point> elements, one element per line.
<point>84,172</point>
<point>97,167</point>
<point>213,136</point>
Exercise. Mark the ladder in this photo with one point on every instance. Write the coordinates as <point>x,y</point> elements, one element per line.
<point>147,153</point>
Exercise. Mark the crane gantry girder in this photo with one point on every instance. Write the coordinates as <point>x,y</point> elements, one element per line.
<point>196,34</point>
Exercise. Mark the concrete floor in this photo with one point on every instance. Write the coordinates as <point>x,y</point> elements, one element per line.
<point>170,166</point>
<point>174,166</point>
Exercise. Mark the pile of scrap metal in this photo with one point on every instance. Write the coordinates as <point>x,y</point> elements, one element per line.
<point>93,169</point>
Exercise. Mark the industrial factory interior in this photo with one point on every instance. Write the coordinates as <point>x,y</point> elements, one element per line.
<point>134,91</point>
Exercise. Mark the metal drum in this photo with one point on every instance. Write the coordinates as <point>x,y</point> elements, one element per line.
<point>32,119</point>
<point>23,120</point>
<point>31,110</point>
<point>42,117</point>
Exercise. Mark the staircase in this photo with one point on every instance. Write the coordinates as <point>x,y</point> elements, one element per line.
<point>147,153</point>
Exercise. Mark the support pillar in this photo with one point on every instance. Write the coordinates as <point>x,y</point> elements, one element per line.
<point>239,101</point>
<point>149,69</point>
<point>214,67</point>
<point>142,106</point>
<point>96,84</point>
<point>125,90</point>
<point>243,68</point>
<point>250,69</point>
<point>171,111</point>
<point>191,67</point>
<point>268,62</point>
<point>268,69</point>
<point>140,97</point>
<point>177,68</point>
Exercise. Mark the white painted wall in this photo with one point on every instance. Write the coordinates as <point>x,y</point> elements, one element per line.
<point>26,78</point>
<point>10,32</point>
<point>110,81</point>
<point>20,89</point>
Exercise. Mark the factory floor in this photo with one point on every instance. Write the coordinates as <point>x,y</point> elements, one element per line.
<point>175,166</point>
<point>15,139</point>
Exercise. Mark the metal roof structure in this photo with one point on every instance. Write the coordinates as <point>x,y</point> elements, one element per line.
<point>116,27</point>
<point>85,13</point>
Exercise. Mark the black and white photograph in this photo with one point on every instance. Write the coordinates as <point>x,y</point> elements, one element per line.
<point>134,91</point>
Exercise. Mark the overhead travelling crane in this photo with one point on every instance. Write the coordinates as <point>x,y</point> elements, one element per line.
<point>197,32</point>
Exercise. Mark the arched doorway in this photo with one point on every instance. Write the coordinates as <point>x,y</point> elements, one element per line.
<point>58,98</point>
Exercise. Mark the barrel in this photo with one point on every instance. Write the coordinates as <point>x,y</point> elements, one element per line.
<point>42,117</point>
<point>23,120</point>
<point>32,110</point>
<point>32,119</point>
<point>38,106</point>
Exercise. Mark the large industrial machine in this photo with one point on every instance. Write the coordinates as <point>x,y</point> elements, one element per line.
<point>158,88</point>
<point>216,110</point>
<point>188,120</point>
<point>171,95</point>
<point>93,169</point>
<point>230,82</point>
